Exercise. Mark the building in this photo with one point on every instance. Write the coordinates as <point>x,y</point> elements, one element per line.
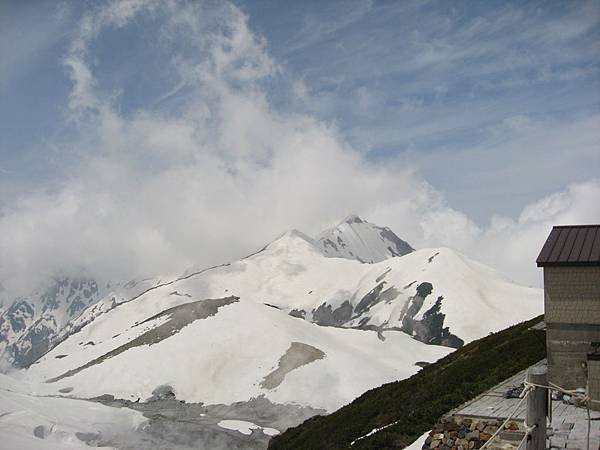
<point>571,262</point>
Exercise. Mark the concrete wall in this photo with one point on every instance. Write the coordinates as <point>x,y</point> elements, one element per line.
<point>572,315</point>
<point>594,382</point>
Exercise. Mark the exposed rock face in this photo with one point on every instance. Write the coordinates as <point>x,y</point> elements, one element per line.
<point>378,294</point>
<point>162,392</point>
<point>16,318</point>
<point>324,315</point>
<point>430,329</point>
<point>299,313</point>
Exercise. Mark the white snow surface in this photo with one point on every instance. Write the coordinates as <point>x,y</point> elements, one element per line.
<point>245,427</point>
<point>419,442</point>
<point>58,419</point>
<point>355,238</point>
<point>225,358</point>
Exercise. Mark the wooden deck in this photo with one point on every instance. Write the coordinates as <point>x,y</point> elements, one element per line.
<point>569,423</point>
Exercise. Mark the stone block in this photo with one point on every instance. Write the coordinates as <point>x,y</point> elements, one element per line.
<point>472,435</point>
<point>484,436</point>
<point>490,429</point>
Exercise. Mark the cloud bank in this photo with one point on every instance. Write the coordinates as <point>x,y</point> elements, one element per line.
<point>209,170</point>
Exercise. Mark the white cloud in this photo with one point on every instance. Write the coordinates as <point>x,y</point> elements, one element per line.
<point>157,191</point>
<point>511,245</point>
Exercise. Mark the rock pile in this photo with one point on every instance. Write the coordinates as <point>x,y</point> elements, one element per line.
<point>466,433</point>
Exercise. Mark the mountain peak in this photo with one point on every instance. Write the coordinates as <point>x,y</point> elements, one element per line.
<point>355,238</point>
<point>352,218</point>
<point>297,234</point>
<point>294,240</point>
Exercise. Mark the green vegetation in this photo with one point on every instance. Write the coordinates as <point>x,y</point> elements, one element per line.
<point>421,400</point>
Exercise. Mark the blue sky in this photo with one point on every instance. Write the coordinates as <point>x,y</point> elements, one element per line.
<point>442,83</point>
<point>457,123</point>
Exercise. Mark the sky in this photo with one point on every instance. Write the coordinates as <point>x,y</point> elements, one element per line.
<point>141,136</point>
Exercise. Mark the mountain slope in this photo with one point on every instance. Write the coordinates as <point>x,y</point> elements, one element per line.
<point>437,295</point>
<point>224,351</point>
<point>416,403</point>
<point>31,325</point>
<point>355,238</point>
<point>278,336</point>
<point>251,328</point>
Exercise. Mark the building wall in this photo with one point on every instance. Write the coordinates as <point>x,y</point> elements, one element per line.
<point>594,382</point>
<point>572,315</point>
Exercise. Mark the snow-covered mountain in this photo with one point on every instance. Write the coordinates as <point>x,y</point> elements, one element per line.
<point>31,325</point>
<point>296,329</point>
<point>355,238</point>
<point>289,324</point>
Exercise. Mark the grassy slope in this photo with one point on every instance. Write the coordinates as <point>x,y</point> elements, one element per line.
<point>421,400</point>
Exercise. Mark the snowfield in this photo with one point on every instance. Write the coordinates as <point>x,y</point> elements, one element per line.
<point>29,422</point>
<point>226,357</point>
<point>297,327</point>
<point>230,353</point>
<point>246,427</point>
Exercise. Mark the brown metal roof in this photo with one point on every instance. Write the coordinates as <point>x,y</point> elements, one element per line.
<point>571,245</point>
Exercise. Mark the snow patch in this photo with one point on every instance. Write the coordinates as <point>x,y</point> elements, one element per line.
<point>245,427</point>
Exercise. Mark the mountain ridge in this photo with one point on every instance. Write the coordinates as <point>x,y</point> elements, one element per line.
<point>338,291</point>
<point>370,323</point>
<point>33,324</point>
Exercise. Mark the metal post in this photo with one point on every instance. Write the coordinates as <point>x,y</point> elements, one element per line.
<point>537,407</point>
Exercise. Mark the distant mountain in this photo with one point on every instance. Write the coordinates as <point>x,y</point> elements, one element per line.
<point>288,324</point>
<point>355,238</point>
<point>31,325</point>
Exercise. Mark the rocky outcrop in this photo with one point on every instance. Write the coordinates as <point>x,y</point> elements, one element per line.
<point>430,328</point>
<point>325,315</point>
<point>376,295</point>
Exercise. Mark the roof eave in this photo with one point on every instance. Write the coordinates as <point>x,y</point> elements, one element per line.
<point>568,264</point>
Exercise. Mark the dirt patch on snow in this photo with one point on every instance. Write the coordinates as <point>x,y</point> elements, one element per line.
<point>297,355</point>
